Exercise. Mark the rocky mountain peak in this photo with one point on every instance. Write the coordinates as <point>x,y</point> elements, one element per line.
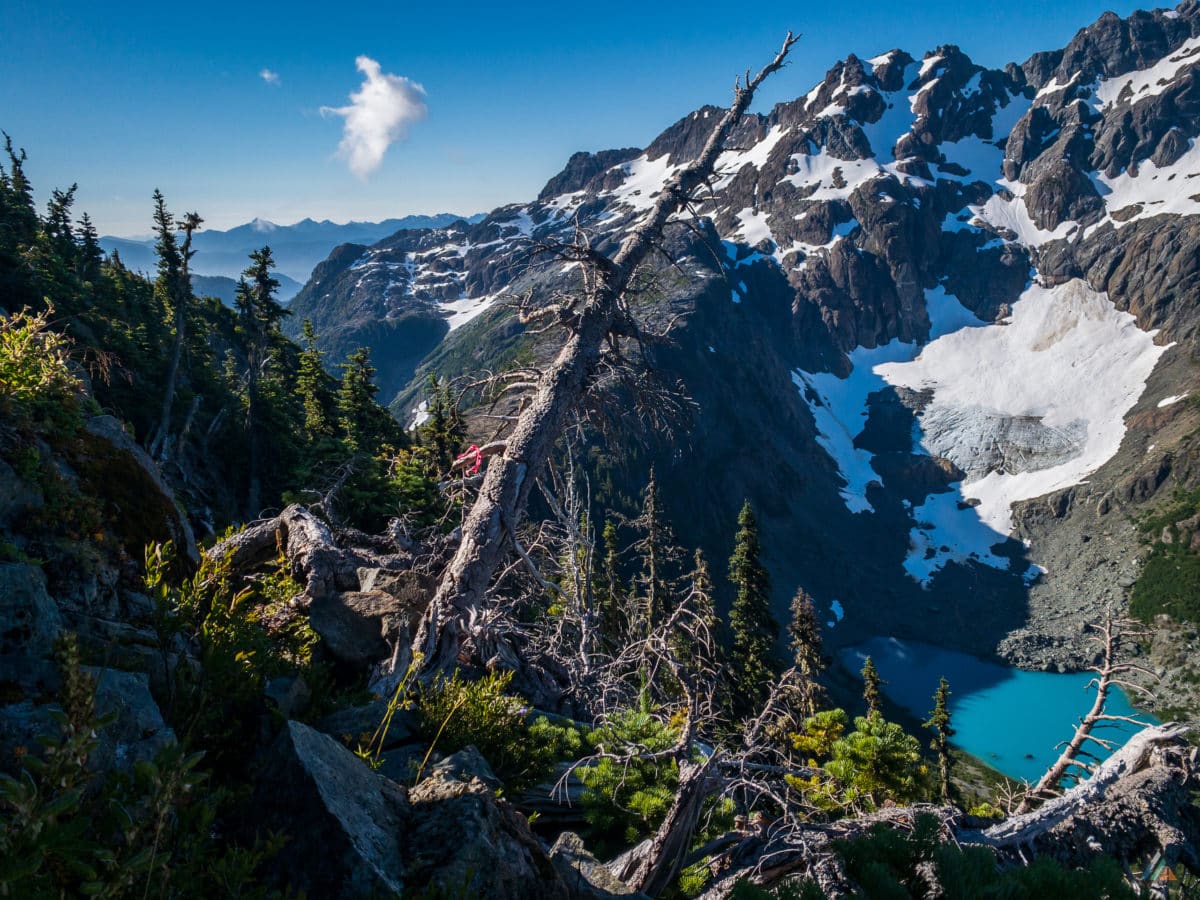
<point>901,204</point>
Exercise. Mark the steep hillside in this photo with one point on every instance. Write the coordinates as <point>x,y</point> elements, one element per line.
<point>937,320</point>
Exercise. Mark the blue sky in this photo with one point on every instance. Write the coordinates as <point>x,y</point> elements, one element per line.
<point>126,97</point>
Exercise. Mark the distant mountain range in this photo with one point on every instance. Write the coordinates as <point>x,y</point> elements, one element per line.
<point>297,248</point>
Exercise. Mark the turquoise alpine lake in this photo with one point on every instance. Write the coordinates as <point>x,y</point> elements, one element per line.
<point>1011,719</point>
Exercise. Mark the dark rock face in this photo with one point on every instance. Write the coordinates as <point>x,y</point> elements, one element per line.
<point>29,619</point>
<point>150,513</point>
<point>582,169</point>
<point>466,765</point>
<point>137,731</point>
<point>460,839</point>
<point>358,724</point>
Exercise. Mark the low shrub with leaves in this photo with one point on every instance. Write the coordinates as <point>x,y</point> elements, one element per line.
<point>626,800</point>
<point>455,713</point>
<point>37,384</point>
<point>245,634</point>
<point>875,763</point>
<point>65,831</point>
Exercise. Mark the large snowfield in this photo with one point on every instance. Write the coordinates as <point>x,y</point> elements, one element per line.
<point>1027,405</point>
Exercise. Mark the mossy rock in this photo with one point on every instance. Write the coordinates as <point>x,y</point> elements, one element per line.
<point>138,509</point>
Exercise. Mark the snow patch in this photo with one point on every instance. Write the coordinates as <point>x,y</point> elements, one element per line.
<point>1171,189</point>
<point>731,162</point>
<point>464,309</point>
<point>1055,87</point>
<point>753,226</point>
<point>420,415</point>
<point>1013,216</point>
<point>1151,81</point>
<point>929,65</point>
<point>644,178</point>
<point>839,408</point>
<point>832,178</point>
<point>1066,361</point>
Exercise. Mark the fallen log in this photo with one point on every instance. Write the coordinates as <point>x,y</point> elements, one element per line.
<point>1137,805</point>
<point>1137,802</point>
<point>255,544</point>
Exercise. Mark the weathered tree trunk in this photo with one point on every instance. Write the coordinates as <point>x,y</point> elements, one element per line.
<point>308,546</point>
<point>660,866</point>
<point>455,610</point>
<point>160,447</point>
<point>1108,675</point>
<point>1138,803</point>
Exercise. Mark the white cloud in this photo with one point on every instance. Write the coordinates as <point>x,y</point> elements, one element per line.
<point>271,78</point>
<point>380,113</point>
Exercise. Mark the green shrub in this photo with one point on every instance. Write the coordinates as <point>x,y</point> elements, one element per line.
<point>626,801</point>
<point>37,385</point>
<point>455,713</point>
<point>66,832</point>
<point>1169,583</point>
<point>860,770</point>
<point>1170,578</point>
<point>246,635</point>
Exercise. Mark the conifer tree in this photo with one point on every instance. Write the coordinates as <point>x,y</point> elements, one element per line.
<point>365,424</point>
<point>871,685</point>
<point>443,431</point>
<point>939,723</point>
<point>59,232</point>
<point>312,384</point>
<point>91,257</point>
<point>259,318</point>
<point>21,218</point>
<point>805,634</point>
<point>610,592</point>
<point>175,284</point>
<point>754,628</point>
<point>658,554</point>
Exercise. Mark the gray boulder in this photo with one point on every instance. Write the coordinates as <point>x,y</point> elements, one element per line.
<point>412,589</point>
<point>16,495</point>
<point>465,765</point>
<point>137,731</point>
<point>353,624</point>
<point>359,723</point>
<point>289,694</point>
<point>344,822</point>
<point>461,841</point>
<point>29,619</point>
